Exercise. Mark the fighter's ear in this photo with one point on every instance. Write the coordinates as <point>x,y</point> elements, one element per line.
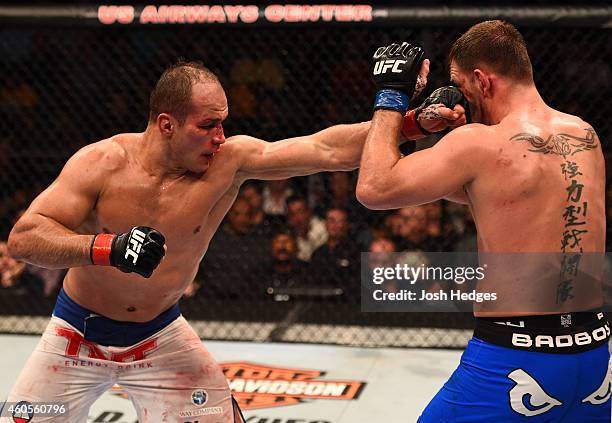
<point>483,81</point>
<point>165,124</point>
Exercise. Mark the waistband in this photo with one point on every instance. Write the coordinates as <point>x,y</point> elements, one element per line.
<point>554,333</point>
<point>109,332</point>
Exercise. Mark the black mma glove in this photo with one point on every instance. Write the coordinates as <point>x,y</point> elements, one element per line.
<point>395,73</point>
<point>450,96</point>
<point>140,250</point>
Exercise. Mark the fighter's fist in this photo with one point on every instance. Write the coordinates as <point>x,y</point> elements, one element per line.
<point>140,250</point>
<point>446,107</point>
<point>400,74</point>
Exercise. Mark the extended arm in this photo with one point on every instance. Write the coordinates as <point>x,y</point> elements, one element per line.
<point>336,148</point>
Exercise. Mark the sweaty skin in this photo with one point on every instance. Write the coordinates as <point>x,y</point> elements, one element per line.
<point>164,179</point>
<point>180,179</point>
<point>519,174</point>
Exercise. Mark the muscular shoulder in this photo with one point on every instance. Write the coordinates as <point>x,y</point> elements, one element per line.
<point>243,143</point>
<point>471,131</point>
<point>241,147</point>
<point>470,148</point>
<point>569,122</point>
<point>471,139</point>
<point>99,159</point>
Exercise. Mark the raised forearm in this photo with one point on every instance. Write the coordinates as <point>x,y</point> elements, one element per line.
<point>380,155</point>
<point>42,241</point>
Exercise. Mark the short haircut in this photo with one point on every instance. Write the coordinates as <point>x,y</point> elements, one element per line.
<point>172,93</point>
<point>283,230</point>
<point>340,209</point>
<point>297,197</point>
<point>496,45</point>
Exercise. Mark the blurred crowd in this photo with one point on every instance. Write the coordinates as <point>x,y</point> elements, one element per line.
<point>284,240</point>
<point>298,236</point>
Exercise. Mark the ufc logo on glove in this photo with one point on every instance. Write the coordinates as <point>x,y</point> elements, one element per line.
<point>395,73</point>
<point>137,237</point>
<point>384,65</point>
<point>140,250</point>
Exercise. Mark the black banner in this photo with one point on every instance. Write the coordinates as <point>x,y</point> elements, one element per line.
<point>291,14</point>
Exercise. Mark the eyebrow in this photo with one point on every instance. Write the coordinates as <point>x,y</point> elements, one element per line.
<point>209,121</point>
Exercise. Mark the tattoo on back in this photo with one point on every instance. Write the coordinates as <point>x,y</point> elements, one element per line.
<point>575,221</point>
<point>575,212</point>
<point>560,144</point>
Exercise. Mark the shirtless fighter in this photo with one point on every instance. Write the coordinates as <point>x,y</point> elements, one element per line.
<point>116,209</point>
<point>534,180</point>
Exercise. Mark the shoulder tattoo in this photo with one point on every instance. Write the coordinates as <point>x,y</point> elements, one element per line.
<point>561,144</point>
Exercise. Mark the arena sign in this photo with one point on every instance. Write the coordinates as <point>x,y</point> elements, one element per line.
<point>225,14</point>
<point>260,386</point>
<point>257,386</point>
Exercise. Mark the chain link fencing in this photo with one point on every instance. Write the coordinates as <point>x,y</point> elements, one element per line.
<point>65,87</point>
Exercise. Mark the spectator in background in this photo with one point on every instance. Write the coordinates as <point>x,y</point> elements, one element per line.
<point>19,279</point>
<point>381,255</point>
<point>50,279</point>
<point>433,212</point>
<point>233,252</point>
<point>275,195</point>
<point>341,194</point>
<point>382,245</point>
<point>460,229</point>
<point>283,269</point>
<point>310,230</point>
<point>252,194</point>
<point>418,231</point>
<point>336,263</point>
<point>27,278</point>
<point>392,228</point>
<point>10,269</point>
<point>437,226</point>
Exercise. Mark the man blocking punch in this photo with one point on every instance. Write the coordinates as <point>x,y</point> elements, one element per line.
<point>526,171</point>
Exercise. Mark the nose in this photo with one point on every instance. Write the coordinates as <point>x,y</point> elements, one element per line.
<point>219,136</point>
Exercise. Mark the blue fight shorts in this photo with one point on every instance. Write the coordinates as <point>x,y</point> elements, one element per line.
<point>532,369</point>
<point>109,332</point>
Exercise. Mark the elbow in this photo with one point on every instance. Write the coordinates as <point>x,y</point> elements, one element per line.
<point>370,197</point>
<point>15,246</point>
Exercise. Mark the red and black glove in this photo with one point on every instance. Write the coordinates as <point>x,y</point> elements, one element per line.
<point>140,250</point>
<point>449,97</point>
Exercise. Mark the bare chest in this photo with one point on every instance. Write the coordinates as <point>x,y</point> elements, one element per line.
<point>179,209</point>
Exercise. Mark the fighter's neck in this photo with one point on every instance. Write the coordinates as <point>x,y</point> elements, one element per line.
<point>513,101</point>
<point>155,156</point>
